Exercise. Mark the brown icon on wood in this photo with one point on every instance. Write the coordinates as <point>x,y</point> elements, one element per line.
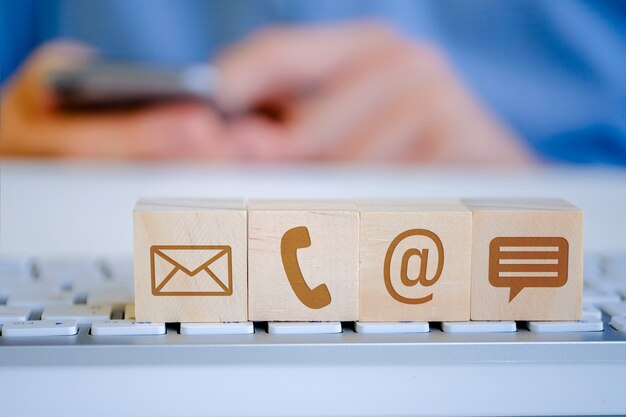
<point>292,240</point>
<point>520,262</point>
<point>423,255</point>
<point>191,270</point>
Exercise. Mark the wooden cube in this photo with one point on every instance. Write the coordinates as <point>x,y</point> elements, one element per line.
<point>526,259</point>
<point>415,260</point>
<point>303,259</point>
<point>190,260</point>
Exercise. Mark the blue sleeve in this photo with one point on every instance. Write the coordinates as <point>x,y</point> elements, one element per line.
<point>555,71</point>
<point>599,143</point>
<point>18,34</point>
<point>595,131</point>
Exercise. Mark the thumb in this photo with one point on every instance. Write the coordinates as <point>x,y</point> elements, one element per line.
<point>32,82</point>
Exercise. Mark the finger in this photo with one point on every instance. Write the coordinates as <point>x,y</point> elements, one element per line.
<point>32,86</point>
<point>292,59</point>
<point>163,132</point>
<point>441,124</point>
<point>261,140</point>
<point>333,121</point>
<point>395,133</point>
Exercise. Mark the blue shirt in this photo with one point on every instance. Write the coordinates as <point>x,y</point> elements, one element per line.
<point>555,71</point>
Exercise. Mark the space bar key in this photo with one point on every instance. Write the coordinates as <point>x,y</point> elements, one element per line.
<point>126,328</point>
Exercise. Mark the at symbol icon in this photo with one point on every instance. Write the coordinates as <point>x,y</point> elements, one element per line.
<point>422,276</point>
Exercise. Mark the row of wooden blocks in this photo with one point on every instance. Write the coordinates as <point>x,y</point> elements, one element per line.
<point>372,261</point>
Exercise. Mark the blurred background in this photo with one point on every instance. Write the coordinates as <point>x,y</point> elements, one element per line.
<point>105,101</point>
<point>415,81</point>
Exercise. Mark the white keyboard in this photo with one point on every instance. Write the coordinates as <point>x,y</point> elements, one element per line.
<point>72,319</point>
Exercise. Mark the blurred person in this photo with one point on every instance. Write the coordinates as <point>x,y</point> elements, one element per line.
<point>481,82</point>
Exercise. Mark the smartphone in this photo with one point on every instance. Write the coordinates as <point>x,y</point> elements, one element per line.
<point>109,84</point>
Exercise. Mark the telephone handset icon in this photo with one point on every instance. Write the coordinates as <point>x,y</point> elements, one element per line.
<point>294,239</point>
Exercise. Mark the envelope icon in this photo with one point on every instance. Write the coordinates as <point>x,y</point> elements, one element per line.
<point>182,270</point>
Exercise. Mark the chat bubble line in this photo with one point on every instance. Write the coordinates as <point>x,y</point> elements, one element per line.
<point>529,249</point>
<point>553,261</point>
<point>520,274</point>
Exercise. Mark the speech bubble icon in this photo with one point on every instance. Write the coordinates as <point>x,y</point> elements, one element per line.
<point>528,262</point>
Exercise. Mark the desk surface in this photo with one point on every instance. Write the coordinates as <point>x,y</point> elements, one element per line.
<point>63,208</point>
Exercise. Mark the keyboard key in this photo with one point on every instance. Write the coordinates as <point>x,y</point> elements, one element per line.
<point>8,314</point>
<point>27,287</point>
<point>591,313</point>
<point>40,328</point>
<point>616,266</point>
<point>566,326</point>
<point>593,267</point>
<point>63,282</point>
<point>479,326</point>
<point>304,327</point>
<point>120,296</point>
<point>85,288</point>
<point>129,312</point>
<point>65,271</point>
<point>607,285</point>
<point>391,328</point>
<point>596,297</point>
<point>614,309</point>
<point>126,328</point>
<point>39,301</point>
<point>11,277</point>
<point>619,323</point>
<point>83,314</point>
<point>245,327</point>
<point>119,268</point>
<point>15,264</point>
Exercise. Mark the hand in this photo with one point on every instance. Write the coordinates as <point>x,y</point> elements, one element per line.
<point>33,125</point>
<point>357,92</point>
